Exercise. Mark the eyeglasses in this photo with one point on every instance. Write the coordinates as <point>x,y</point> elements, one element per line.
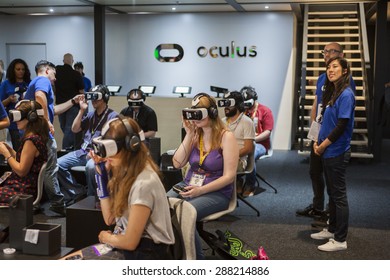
<point>331,51</point>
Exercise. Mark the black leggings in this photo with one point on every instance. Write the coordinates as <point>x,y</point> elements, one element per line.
<point>148,250</point>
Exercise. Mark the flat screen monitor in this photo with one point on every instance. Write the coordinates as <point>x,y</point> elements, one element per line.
<point>114,89</point>
<point>182,90</point>
<point>147,89</point>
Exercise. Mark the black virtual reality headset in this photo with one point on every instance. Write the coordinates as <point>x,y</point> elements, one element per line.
<point>93,96</point>
<point>110,147</point>
<point>230,102</point>
<point>194,114</point>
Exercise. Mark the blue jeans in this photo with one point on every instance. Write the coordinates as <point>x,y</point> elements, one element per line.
<point>205,205</point>
<point>317,180</point>
<point>335,169</point>
<point>51,185</point>
<point>66,162</point>
<point>260,150</point>
<point>66,120</point>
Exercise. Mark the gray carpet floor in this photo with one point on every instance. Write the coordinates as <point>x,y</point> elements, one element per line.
<point>286,236</point>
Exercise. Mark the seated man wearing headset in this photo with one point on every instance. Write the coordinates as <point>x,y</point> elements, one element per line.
<point>91,126</point>
<point>238,123</point>
<point>144,115</point>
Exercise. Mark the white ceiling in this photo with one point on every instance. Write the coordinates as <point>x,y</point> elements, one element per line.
<point>69,7</point>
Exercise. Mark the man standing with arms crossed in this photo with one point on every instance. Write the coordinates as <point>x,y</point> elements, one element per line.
<point>316,209</point>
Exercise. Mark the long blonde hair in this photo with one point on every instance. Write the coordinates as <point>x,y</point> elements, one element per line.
<point>218,128</point>
<point>132,164</point>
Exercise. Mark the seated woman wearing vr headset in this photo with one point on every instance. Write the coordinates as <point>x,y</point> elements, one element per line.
<point>131,195</point>
<point>212,153</point>
<point>28,160</point>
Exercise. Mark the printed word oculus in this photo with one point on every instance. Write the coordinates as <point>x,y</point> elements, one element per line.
<point>175,52</point>
<point>228,51</point>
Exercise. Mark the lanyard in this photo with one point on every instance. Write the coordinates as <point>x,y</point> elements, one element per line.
<point>254,111</point>
<point>135,115</point>
<point>237,122</point>
<point>94,129</point>
<point>201,155</point>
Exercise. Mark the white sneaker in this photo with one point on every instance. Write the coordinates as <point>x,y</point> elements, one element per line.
<point>324,234</point>
<point>333,246</point>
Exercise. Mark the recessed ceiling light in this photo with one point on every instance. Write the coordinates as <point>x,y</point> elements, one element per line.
<point>267,7</point>
<point>51,10</point>
<point>173,8</point>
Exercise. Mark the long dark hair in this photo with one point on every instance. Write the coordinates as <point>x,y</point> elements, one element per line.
<point>40,126</point>
<point>11,71</point>
<point>334,89</point>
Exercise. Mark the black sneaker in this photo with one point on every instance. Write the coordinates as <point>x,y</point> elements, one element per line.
<point>310,212</point>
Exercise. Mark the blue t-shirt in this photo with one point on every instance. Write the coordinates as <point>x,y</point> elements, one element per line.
<point>7,89</point>
<point>87,84</point>
<point>343,108</point>
<point>43,84</point>
<point>320,88</point>
<point>3,113</point>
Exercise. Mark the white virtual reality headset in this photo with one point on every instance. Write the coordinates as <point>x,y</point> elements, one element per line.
<point>93,95</point>
<point>249,103</point>
<point>135,102</point>
<point>230,102</point>
<point>16,115</point>
<point>110,147</point>
<point>194,114</point>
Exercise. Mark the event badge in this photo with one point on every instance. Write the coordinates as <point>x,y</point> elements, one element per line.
<point>5,176</point>
<point>197,179</point>
<point>84,146</point>
<point>314,131</point>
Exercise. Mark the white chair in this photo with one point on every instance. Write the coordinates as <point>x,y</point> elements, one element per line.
<point>208,237</point>
<point>186,215</point>
<point>248,170</point>
<point>231,208</point>
<point>41,177</point>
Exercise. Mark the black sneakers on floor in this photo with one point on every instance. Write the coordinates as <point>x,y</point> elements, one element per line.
<point>310,212</point>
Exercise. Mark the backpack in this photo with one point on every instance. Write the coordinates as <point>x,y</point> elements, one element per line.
<point>178,249</point>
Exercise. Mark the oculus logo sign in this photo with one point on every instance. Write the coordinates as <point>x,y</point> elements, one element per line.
<point>174,52</point>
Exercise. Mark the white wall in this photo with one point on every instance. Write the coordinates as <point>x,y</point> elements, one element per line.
<point>130,61</point>
<point>61,34</point>
<point>270,72</point>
